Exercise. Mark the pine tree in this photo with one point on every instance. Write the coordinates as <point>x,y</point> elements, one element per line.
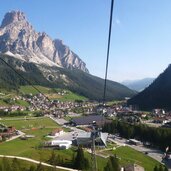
<point>165,169</point>
<point>53,169</point>
<point>15,165</point>
<point>155,168</point>
<point>160,168</point>
<point>6,165</point>
<point>112,164</point>
<point>52,159</point>
<point>40,167</point>
<point>81,162</point>
<point>1,167</point>
<point>32,168</point>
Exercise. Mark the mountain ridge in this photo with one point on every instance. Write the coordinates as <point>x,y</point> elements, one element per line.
<point>139,84</point>
<point>157,95</point>
<point>18,37</point>
<point>47,62</point>
<point>75,80</point>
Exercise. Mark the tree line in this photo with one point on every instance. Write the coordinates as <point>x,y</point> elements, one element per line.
<point>157,137</point>
<point>81,162</point>
<point>160,168</point>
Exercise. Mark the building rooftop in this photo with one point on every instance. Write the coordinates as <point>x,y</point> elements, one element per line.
<point>85,138</point>
<point>87,120</point>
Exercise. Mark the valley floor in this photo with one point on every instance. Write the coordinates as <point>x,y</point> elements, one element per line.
<point>31,148</point>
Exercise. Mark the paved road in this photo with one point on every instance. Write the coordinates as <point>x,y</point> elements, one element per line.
<point>37,162</point>
<point>17,136</point>
<point>58,121</point>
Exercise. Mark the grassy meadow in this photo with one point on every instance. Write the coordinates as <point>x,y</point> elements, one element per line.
<point>128,155</point>
<point>41,127</point>
<point>52,93</point>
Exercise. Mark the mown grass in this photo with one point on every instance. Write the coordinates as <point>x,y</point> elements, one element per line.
<point>36,123</point>
<point>72,97</point>
<point>17,102</point>
<point>114,102</point>
<point>2,103</point>
<point>31,90</point>
<point>22,103</point>
<point>101,162</point>
<point>31,148</point>
<point>128,155</point>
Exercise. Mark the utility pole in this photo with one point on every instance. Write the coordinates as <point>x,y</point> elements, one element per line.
<point>94,134</point>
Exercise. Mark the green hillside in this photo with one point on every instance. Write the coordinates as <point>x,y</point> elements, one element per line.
<point>157,95</point>
<point>77,81</point>
<point>52,93</point>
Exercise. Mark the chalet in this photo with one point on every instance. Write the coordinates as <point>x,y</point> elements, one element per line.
<point>57,132</point>
<point>7,132</point>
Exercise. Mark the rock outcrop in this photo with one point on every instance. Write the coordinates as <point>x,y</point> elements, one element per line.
<point>19,39</point>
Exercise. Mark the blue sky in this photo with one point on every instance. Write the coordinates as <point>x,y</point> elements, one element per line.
<point>141,34</point>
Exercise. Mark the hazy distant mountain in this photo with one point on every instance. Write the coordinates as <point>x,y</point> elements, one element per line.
<point>19,39</point>
<point>157,95</point>
<point>138,85</point>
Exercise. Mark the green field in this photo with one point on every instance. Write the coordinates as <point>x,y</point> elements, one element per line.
<point>31,90</point>
<point>31,147</point>
<point>22,103</point>
<point>128,155</point>
<point>51,93</point>
<point>17,102</point>
<point>71,97</point>
<point>41,127</point>
<point>30,124</point>
<point>2,103</point>
<point>5,97</point>
<point>115,102</point>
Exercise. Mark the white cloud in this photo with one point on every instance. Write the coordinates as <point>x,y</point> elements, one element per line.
<point>117,21</point>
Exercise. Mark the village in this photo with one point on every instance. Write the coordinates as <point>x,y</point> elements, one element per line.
<point>61,109</point>
<point>75,123</point>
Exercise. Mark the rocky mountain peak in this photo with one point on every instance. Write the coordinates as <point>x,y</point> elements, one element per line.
<point>18,37</point>
<point>12,17</point>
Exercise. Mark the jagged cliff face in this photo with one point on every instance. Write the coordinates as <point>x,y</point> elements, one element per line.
<point>18,38</point>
